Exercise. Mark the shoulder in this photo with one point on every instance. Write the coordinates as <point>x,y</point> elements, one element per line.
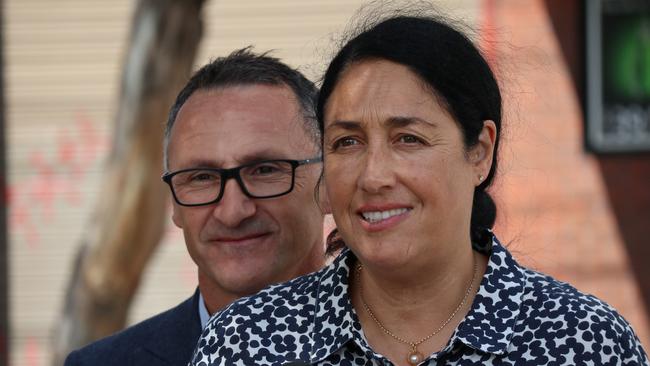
<point>291,299</point>
<point>123,347</point>
<point>256,329</point>
<point>557,312</point>
<point>559,299</point>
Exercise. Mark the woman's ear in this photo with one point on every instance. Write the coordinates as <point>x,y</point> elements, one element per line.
<point>482,153</point>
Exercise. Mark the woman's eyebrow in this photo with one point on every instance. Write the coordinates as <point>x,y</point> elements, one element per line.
<point>400,121</point>
<point>391,122</point>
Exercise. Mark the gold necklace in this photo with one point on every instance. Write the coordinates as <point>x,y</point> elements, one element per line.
<point>414,357</point>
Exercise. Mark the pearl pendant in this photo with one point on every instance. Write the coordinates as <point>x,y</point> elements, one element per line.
<point>415,357</point>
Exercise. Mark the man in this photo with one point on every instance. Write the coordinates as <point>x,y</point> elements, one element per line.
<point>242,159</point>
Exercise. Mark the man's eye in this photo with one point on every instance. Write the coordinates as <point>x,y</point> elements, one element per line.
<point>265,169</point>
<point>204,176</point>
<point>345,142</point>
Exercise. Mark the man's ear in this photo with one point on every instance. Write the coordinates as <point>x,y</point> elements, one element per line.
<point>323,198</point>
<point>176,216</point>
<point>482,153</point>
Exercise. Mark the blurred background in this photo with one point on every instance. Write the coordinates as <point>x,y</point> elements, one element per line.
<point>573,189</point>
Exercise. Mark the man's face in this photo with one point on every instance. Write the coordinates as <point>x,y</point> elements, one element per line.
<point>242,244</point>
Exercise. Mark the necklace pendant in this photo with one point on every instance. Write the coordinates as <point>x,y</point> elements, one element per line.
<point>415,357</point>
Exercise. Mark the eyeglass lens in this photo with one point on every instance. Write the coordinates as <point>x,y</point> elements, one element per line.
<point>260,180</point>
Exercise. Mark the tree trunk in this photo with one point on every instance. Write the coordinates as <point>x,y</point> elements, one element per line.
<point>129,216</point>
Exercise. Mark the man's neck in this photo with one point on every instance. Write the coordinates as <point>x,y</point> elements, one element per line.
<point>217,298</point>
<point>214,300</point>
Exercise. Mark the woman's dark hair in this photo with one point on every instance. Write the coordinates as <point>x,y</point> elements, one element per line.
<point>450,66</point>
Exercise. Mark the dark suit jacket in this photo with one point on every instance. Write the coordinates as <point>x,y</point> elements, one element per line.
<point>168,338</point>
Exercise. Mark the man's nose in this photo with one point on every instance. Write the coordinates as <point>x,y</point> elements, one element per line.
<point>235,206</point>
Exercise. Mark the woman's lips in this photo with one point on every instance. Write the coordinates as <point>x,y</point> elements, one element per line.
<point>378,218</point>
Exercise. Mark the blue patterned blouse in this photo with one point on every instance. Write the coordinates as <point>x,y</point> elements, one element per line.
<point>519,317</point>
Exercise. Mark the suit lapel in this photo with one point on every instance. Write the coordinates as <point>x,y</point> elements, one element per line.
<point>173,340</point>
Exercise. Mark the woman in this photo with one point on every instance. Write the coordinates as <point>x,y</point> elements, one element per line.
<point>410,115</point>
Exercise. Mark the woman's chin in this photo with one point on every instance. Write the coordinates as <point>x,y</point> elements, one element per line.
<point>383,255</point>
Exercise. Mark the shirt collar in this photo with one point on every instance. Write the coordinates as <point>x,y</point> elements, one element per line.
<point>488,326</point>
<point>490,323</point>
<point>204,315</point>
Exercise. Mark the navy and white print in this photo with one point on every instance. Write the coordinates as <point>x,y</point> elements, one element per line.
<point>519,317</point>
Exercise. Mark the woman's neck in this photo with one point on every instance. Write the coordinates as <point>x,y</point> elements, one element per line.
<point>425,303</point>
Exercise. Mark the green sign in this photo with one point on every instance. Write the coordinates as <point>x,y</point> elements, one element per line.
<point>618,76</point>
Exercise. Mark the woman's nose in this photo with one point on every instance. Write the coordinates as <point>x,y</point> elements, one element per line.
<point>377,172</point>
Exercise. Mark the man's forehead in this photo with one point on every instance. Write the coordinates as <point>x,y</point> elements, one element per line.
<point>279,93</point>
<point>240,124</point>
<point>274,141</point>
<point>262,106</point>
<point>228,154</point>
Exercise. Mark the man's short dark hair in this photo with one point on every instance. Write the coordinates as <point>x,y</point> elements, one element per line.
<point>244,67</point>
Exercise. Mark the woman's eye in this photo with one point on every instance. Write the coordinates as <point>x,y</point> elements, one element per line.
<point>409,139</point>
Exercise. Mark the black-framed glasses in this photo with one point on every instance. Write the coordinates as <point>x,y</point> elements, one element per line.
<point>262,179</point>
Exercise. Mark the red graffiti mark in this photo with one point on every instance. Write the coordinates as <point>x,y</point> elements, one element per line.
<point>21,220</point>
<point>92,141</point>
<point>67,148</point>
<point>57,178</point>
<point>32,352</point>
<point>44,186</point>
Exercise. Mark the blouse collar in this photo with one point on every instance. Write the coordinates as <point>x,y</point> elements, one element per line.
<point>488,326</point>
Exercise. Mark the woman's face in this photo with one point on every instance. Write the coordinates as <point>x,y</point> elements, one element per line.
<point>399,179</point>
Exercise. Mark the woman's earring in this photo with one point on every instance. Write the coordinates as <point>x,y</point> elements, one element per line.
<point>480,178</point>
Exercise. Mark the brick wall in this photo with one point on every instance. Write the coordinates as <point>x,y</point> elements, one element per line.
<point>555,208</point>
